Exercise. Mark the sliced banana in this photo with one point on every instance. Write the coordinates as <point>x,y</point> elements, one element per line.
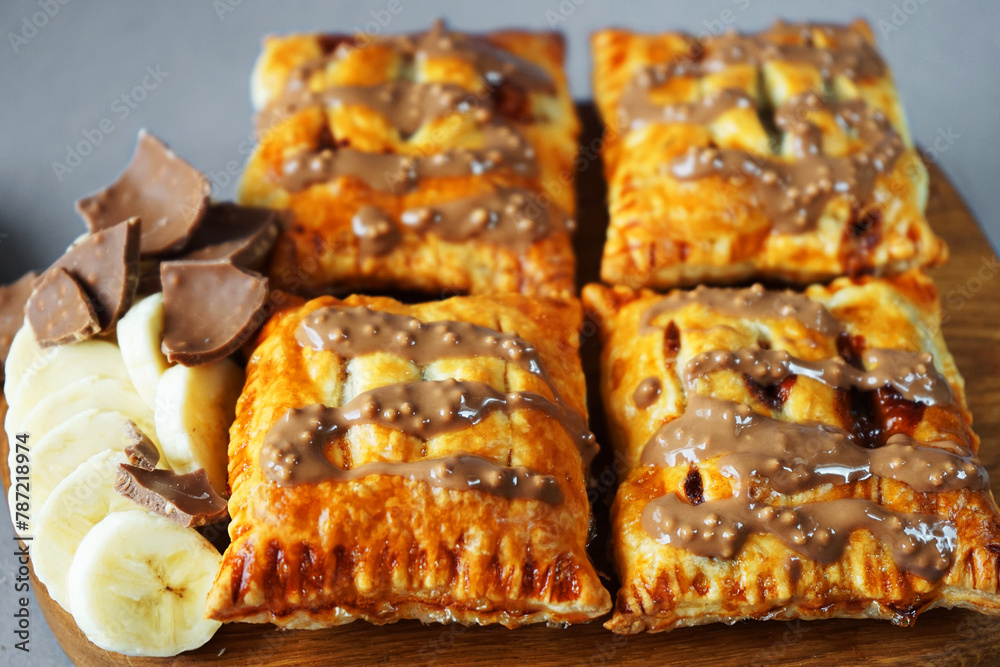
<point>138,585</point>
<point>24,349</point>
<point>194,408</point>
<point>140,336</point>
<point>75,506</point>
<point>89,393</point>
<point>56,368</point>
<point>64,448</point>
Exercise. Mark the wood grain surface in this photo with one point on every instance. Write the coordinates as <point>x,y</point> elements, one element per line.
<point>969,287</point>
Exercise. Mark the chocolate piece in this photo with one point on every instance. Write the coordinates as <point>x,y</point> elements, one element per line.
<point>59,310</point>
<point>13,297</point>
<point>210,309</point>
<point>142,453</point>
<point>188,500</point>
<point>242,234</point>
<point>168,194</point>
<point>106,264</point>
<point>293,450</point>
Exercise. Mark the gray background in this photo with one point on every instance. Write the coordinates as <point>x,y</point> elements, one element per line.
<point>63,85</point>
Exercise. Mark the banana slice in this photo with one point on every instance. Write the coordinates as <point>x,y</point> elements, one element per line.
<point>107,394</point>
<point>24,349</point>
<point>138,585</point>
<point>56,368</point>
<point>75,506</point>
<point>64,448</point>
<point>140,336</point>
<point>195,406</point>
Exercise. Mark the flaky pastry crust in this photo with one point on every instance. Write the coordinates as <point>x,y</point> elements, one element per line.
<point>667,232</point>
<point>384,547</point>
<point>664,586</point>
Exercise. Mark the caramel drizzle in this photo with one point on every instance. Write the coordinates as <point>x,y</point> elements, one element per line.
<point>503,148</point>
<point>353,332</point>
<point>750,302</point>
<point>795,193</point>
<point>637,109</point>
<point>293,450</point>
<point>647,392</point>
<point>912,374</point>
<point>749,445</point>
<point>796,457</point>
<point>407,105</point>
<point>509,217</point>
<point>919,543</point>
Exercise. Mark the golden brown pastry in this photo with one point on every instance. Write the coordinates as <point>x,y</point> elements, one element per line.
<point>792,456</point>
<point>426,461</point>
<point>438,161</point>
<point>782,155</point>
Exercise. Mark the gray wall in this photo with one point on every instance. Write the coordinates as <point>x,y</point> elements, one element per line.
<point>63,83</point>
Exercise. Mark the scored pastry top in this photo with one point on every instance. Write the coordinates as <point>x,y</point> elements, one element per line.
<point>448,150</point>
<point>781,154</point>
<point>816,437</point>
<point>467,416</point>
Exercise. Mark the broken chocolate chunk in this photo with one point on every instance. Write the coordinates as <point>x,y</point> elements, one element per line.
<point>13,297</point>
<point>59,311</point>
<point>210,309</point>
<point>142,453</point>
<point>241,234</point>
<point>168,194</point>
<point>188,500</point>
<point>106,265</point>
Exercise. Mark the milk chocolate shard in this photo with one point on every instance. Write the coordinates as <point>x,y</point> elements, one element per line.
<point>142,453</point>
<point>13,297</point>
<point>106,264</point>
<point>188,500</point>
<point>241,234</point>
<point>59,311</point>
<point>210,309</point>
<point>168,194</point>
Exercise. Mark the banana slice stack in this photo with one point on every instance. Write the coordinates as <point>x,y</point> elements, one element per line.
<point>136,583</point>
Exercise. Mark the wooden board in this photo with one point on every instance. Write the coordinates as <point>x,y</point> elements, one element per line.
<point>968,286</point>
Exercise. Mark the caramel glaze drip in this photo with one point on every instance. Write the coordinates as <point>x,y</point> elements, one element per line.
<point>921,544</point>
<point>503,148</point>
<point>797,457</point>
<point>912,374</point>
<point>407,105</point>
<point>749,445</point>
<point>509,217</point>
<point>795,193</point>
<point>352,332</point>
<point>751,303</point>
<point>293,450</point>
<point>853,57</point>
<point>647,392</point>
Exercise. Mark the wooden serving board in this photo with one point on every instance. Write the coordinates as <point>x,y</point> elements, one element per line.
<point>968,284</point>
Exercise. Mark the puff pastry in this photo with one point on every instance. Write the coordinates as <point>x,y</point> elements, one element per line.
<point>438,161</point>
<point>791,456</point>
<point>425,461</point>
<point>783,155</point>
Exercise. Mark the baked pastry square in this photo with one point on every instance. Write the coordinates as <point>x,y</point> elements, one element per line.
<point>425,461</point>
<point>792,456</point>
<point>782,155</point>
<point>437,161</point>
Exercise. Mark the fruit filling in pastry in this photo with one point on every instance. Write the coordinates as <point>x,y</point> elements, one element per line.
<point>781,155</point>
<point>426,461</point>
<point>437,161</point>
<point>791,455</point>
